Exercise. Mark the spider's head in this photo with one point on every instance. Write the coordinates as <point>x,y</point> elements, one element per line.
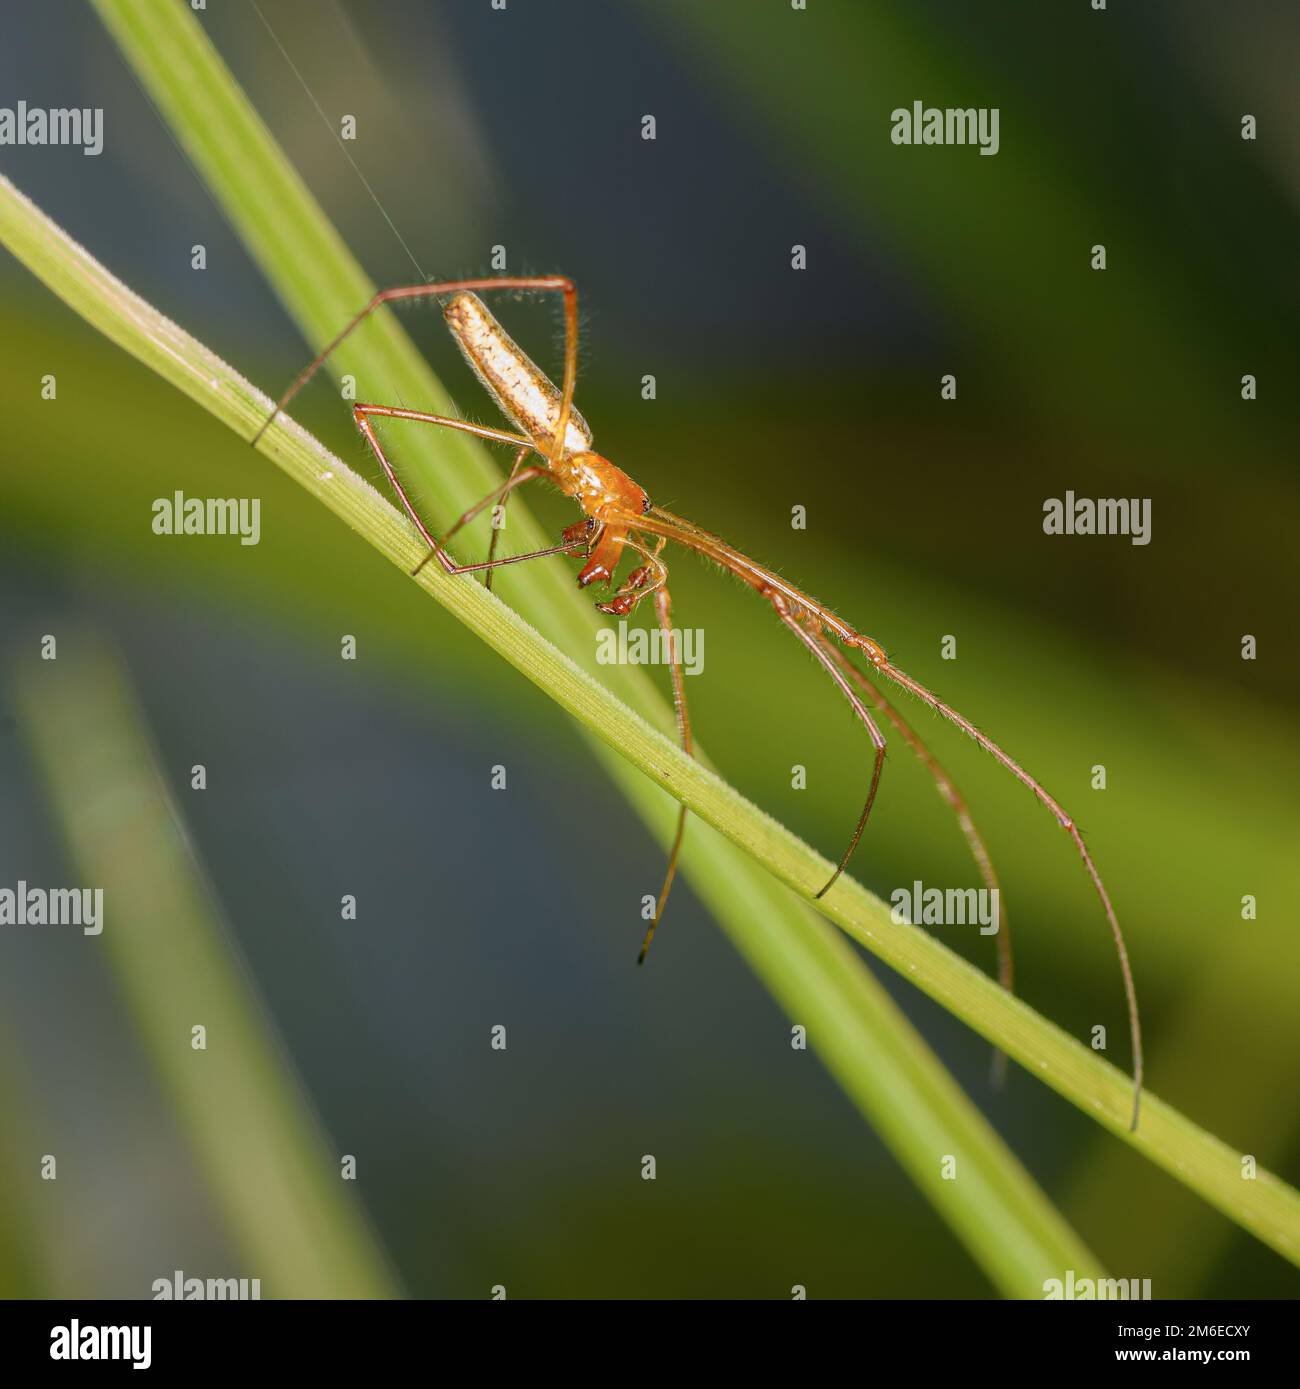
<point>601,488</point>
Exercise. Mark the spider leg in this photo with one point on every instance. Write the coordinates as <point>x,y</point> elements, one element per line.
<point>557,283</point>
<point>663,611</point>
<point>812,642</point>
<point>518,474</point>
<point>957,802</point>
<point>948,790</point>
<point>362,414</point>
<point>881,665</point>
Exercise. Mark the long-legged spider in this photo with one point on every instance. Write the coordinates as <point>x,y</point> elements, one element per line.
<point>618,516</point>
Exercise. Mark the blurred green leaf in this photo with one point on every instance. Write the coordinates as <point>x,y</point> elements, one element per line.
<point>250,1125</point>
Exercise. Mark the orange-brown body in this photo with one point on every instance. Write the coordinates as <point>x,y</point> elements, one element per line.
<point>527,396</point>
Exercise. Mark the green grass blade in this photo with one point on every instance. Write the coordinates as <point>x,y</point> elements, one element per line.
<point>808,980</point>
<point>254,1135</point>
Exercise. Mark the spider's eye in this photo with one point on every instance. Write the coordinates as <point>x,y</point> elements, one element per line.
<point>646,507</point>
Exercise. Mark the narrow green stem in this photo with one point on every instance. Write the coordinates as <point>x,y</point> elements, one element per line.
<point>293,1218</point>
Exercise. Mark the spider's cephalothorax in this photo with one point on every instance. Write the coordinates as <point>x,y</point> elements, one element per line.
<point>608,496</point>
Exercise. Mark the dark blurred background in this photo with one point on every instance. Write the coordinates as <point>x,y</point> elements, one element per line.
<point>775,388</point>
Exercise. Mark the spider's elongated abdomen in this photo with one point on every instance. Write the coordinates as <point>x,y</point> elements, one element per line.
<point>517,384</point>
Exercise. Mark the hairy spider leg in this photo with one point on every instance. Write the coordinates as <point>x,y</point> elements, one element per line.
<point>518,475</point>
<point>660,522</point>
<point>552,283</point>
<point>663,611</point>
<point>947,788</point>
<point>362,414</point>
<point>810,640</point>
